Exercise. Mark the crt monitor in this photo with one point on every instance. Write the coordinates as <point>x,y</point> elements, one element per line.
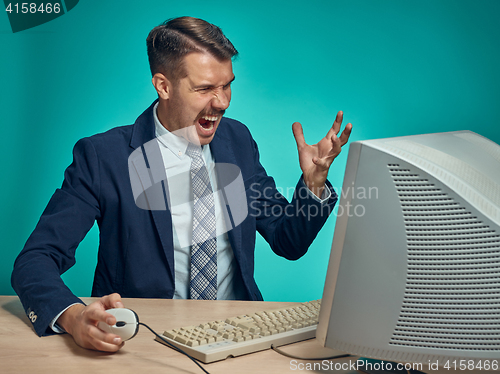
<point>414,271</point>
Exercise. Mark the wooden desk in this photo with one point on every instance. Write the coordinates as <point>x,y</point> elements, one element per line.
<point>22,351</point>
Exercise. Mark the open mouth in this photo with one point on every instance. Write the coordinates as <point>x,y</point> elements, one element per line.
<point>207,122</point>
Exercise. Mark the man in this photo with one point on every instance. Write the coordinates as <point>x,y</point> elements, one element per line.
<point>143,252</point>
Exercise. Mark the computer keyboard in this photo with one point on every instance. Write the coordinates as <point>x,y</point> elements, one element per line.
<point>235,336</point>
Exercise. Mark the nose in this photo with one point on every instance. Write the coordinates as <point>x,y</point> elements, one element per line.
<point>222,98</point>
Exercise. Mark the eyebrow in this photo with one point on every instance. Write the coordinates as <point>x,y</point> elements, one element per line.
<point>211,86</point>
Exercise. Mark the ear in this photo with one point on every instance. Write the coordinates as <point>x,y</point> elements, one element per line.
<point>162,86</point>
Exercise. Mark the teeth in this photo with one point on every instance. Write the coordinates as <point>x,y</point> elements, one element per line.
<point>210,118</point>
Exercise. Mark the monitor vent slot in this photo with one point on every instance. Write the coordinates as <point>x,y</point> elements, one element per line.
<point>452,296</point>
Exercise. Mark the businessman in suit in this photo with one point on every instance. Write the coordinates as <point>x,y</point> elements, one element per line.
<point>146,251</point>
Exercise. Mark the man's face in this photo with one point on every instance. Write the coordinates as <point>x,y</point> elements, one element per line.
<point>200,98</point>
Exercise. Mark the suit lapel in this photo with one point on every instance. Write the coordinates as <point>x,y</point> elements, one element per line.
<point>222,151</point>
<point>151,172</point>
<point>162,216</point>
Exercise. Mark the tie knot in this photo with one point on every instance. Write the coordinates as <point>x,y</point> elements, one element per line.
<point>193,151</point>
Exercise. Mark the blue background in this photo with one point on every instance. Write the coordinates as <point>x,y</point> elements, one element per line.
<point>394,68</point>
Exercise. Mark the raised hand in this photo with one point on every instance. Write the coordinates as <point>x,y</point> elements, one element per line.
<point>315,160</point>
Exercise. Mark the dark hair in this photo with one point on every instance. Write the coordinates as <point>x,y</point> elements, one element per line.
<point>175,38</point>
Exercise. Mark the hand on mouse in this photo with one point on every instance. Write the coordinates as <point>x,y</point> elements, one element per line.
<point>81,321</point>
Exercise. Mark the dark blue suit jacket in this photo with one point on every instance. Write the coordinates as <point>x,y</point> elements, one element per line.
<point>136,256</point>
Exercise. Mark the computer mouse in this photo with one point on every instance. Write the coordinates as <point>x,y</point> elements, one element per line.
<point>126,326</point>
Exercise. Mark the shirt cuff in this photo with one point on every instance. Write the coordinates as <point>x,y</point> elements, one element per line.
<point>54,326</point>
<point>325,196</point>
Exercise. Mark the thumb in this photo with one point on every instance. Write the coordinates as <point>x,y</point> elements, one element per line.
<point>298,133</point>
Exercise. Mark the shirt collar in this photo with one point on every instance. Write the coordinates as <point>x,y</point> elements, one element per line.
<point>176,144</point>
